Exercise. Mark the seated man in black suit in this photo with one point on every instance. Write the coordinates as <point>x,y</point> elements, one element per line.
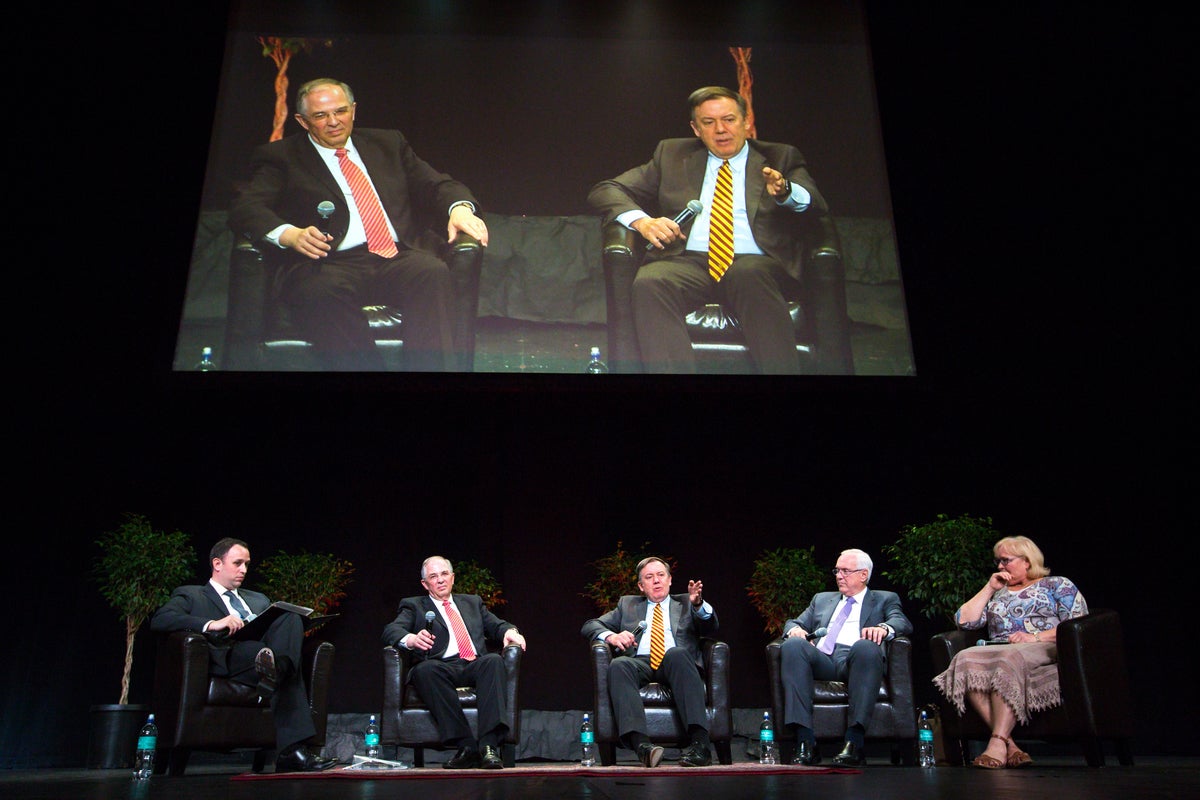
<point>449,650</point>
<point>856,622</point>
<point>219,609</point>
<point>683,619</point>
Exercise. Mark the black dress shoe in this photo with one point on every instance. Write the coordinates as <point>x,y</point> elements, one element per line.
<point>268,674</point>
<point>852,755</point>
<point>695,755</point>
<point>806,755</point>
<point>299,759</point>
<point>649,754</point>
<point>490,758</point>
<point>465,758</point>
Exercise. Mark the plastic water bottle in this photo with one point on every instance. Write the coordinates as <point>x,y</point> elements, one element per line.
<point>205,364</point>
<point>372,738</point>
<point>587,742</point>
<point>143,763</point>
<point>925,756</point>
<point>766,741</point>
<point>595,365</point>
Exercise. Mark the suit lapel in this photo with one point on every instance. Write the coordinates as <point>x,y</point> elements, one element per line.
<point>755,183</point>
<point>217,602</point>
<point>312,163</point>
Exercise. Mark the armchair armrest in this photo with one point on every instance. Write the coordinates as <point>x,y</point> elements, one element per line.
<point>1093,676</point>
<point>825,287</point>
<point>245,321</point>
<point>621,260</point>
<point>466,265</point>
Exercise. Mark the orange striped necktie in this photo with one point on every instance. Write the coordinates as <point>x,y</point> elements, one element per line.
<point>379,241</point>
<point>466,650</point>
<point>657,637</point>
<point>720,230</point>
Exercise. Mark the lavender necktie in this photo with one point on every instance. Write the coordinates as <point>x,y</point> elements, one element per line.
<point>835,627</point>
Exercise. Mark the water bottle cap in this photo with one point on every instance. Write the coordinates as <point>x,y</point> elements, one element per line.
<point>595,351</point>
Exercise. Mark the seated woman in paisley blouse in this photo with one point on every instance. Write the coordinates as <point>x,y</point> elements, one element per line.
<point>1021,606</point>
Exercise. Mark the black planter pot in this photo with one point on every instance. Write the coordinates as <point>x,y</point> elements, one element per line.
<point>113,740</point>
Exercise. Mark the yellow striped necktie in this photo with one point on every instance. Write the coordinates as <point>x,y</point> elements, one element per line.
<point>720,230</point>
<point>657,639</point>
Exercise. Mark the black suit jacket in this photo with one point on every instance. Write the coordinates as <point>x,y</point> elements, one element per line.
<point>483,626</point>
<point>190,607</point>
<point>675,174</point>
<point>686,626</point>
<point>289,180</point>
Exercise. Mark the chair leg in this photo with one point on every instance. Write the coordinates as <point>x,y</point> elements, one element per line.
<point>508,754</point>
<point>608,753</point>
<point>1124,753</point>
<point>260,760</point>
<point>724,751</point>
<point>418,756</point>
<point>177,761</point>
<point>1093,751</point>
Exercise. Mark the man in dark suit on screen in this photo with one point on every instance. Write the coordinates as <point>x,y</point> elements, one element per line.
<point>373,248</point>
<point>684,618</point>
<point>449,649</point>
<point>219,609</point>
<point>772,194</point>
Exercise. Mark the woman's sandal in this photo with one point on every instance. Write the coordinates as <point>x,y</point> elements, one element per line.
<point>984,761</point>
<point>1019,757</point>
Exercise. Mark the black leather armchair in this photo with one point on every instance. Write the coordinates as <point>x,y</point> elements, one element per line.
<point>199,711</point>
<point>408,722</point>
<point>260,336</point>
<point>894,718</point>
<point>819,315</point>
<point>1095,692</point>
<point>662,721</point>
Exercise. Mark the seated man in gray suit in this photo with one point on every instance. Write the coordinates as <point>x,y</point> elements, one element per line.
<point>854,622</point>
<point>219,609</point>
<point>673,659</point>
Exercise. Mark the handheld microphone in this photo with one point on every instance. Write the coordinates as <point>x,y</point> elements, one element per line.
<point>694,207</point>
<point>637,636</point>
<point>429,618</point>
<point>817,634</point>
<point>982,642</point>
<point>325,208</point>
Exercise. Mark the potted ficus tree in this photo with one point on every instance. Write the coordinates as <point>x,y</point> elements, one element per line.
<point>471,577</point>
<point>314,580</point>
<point>782,584</point>
<point>940,564</point>
<point>136,570</point>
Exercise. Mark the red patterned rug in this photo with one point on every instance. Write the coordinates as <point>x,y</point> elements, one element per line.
<point>555,770</point>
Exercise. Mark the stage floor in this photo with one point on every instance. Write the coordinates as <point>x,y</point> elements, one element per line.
<point>1050,779</point>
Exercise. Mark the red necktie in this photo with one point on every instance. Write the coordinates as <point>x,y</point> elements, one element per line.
<point>379,241</point>
<point>720,224</point>
<point>465,650</point>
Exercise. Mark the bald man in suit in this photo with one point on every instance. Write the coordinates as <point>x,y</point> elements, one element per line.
<point>325,271</point>
<point>219,609</point>
<point>440,665</point>
<point>773,196</point>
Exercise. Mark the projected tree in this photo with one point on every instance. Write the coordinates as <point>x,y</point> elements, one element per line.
<point>741,57</point>
<point>281,50</point>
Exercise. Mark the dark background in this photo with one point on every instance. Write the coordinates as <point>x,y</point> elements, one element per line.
<point>1026,154</point>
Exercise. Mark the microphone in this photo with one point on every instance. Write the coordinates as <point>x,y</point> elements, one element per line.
<point>429,618</point>
<point>982,642</point>
<point>325,208</point>
<point>637,635</point>
<point>694,207</point>
<point>817,634</point>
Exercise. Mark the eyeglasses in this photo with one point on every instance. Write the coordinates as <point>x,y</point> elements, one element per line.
<point>1004,562</point>
<point>845,572</point>
<point>321,116</point>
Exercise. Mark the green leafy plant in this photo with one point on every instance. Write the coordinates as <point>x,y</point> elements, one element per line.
<point>616,576</point>
<point>782,584</point>
<point>137,569</point>
<point>315,580</point>
<point>942,563</point>
<point>472,578</point>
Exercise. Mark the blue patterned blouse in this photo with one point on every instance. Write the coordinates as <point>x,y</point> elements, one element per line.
<point>1040,606</point>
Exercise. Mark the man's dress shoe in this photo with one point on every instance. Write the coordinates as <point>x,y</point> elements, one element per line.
<point>852,755</point>
<point>695,755</point>
<point>268,674</point>
<point>465,758</point>
<point>806,755</point>
<point>490,758</point>
<point>299,759</point>
<point>649,754</point>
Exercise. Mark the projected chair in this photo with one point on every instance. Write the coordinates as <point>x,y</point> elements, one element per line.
<point>259,334</point>
<point>894,717</point>
<point>408,722</point>
<point>199,711</point>
<point>1095,692</point>
<point>819,316</point>
<point>663,725</point>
